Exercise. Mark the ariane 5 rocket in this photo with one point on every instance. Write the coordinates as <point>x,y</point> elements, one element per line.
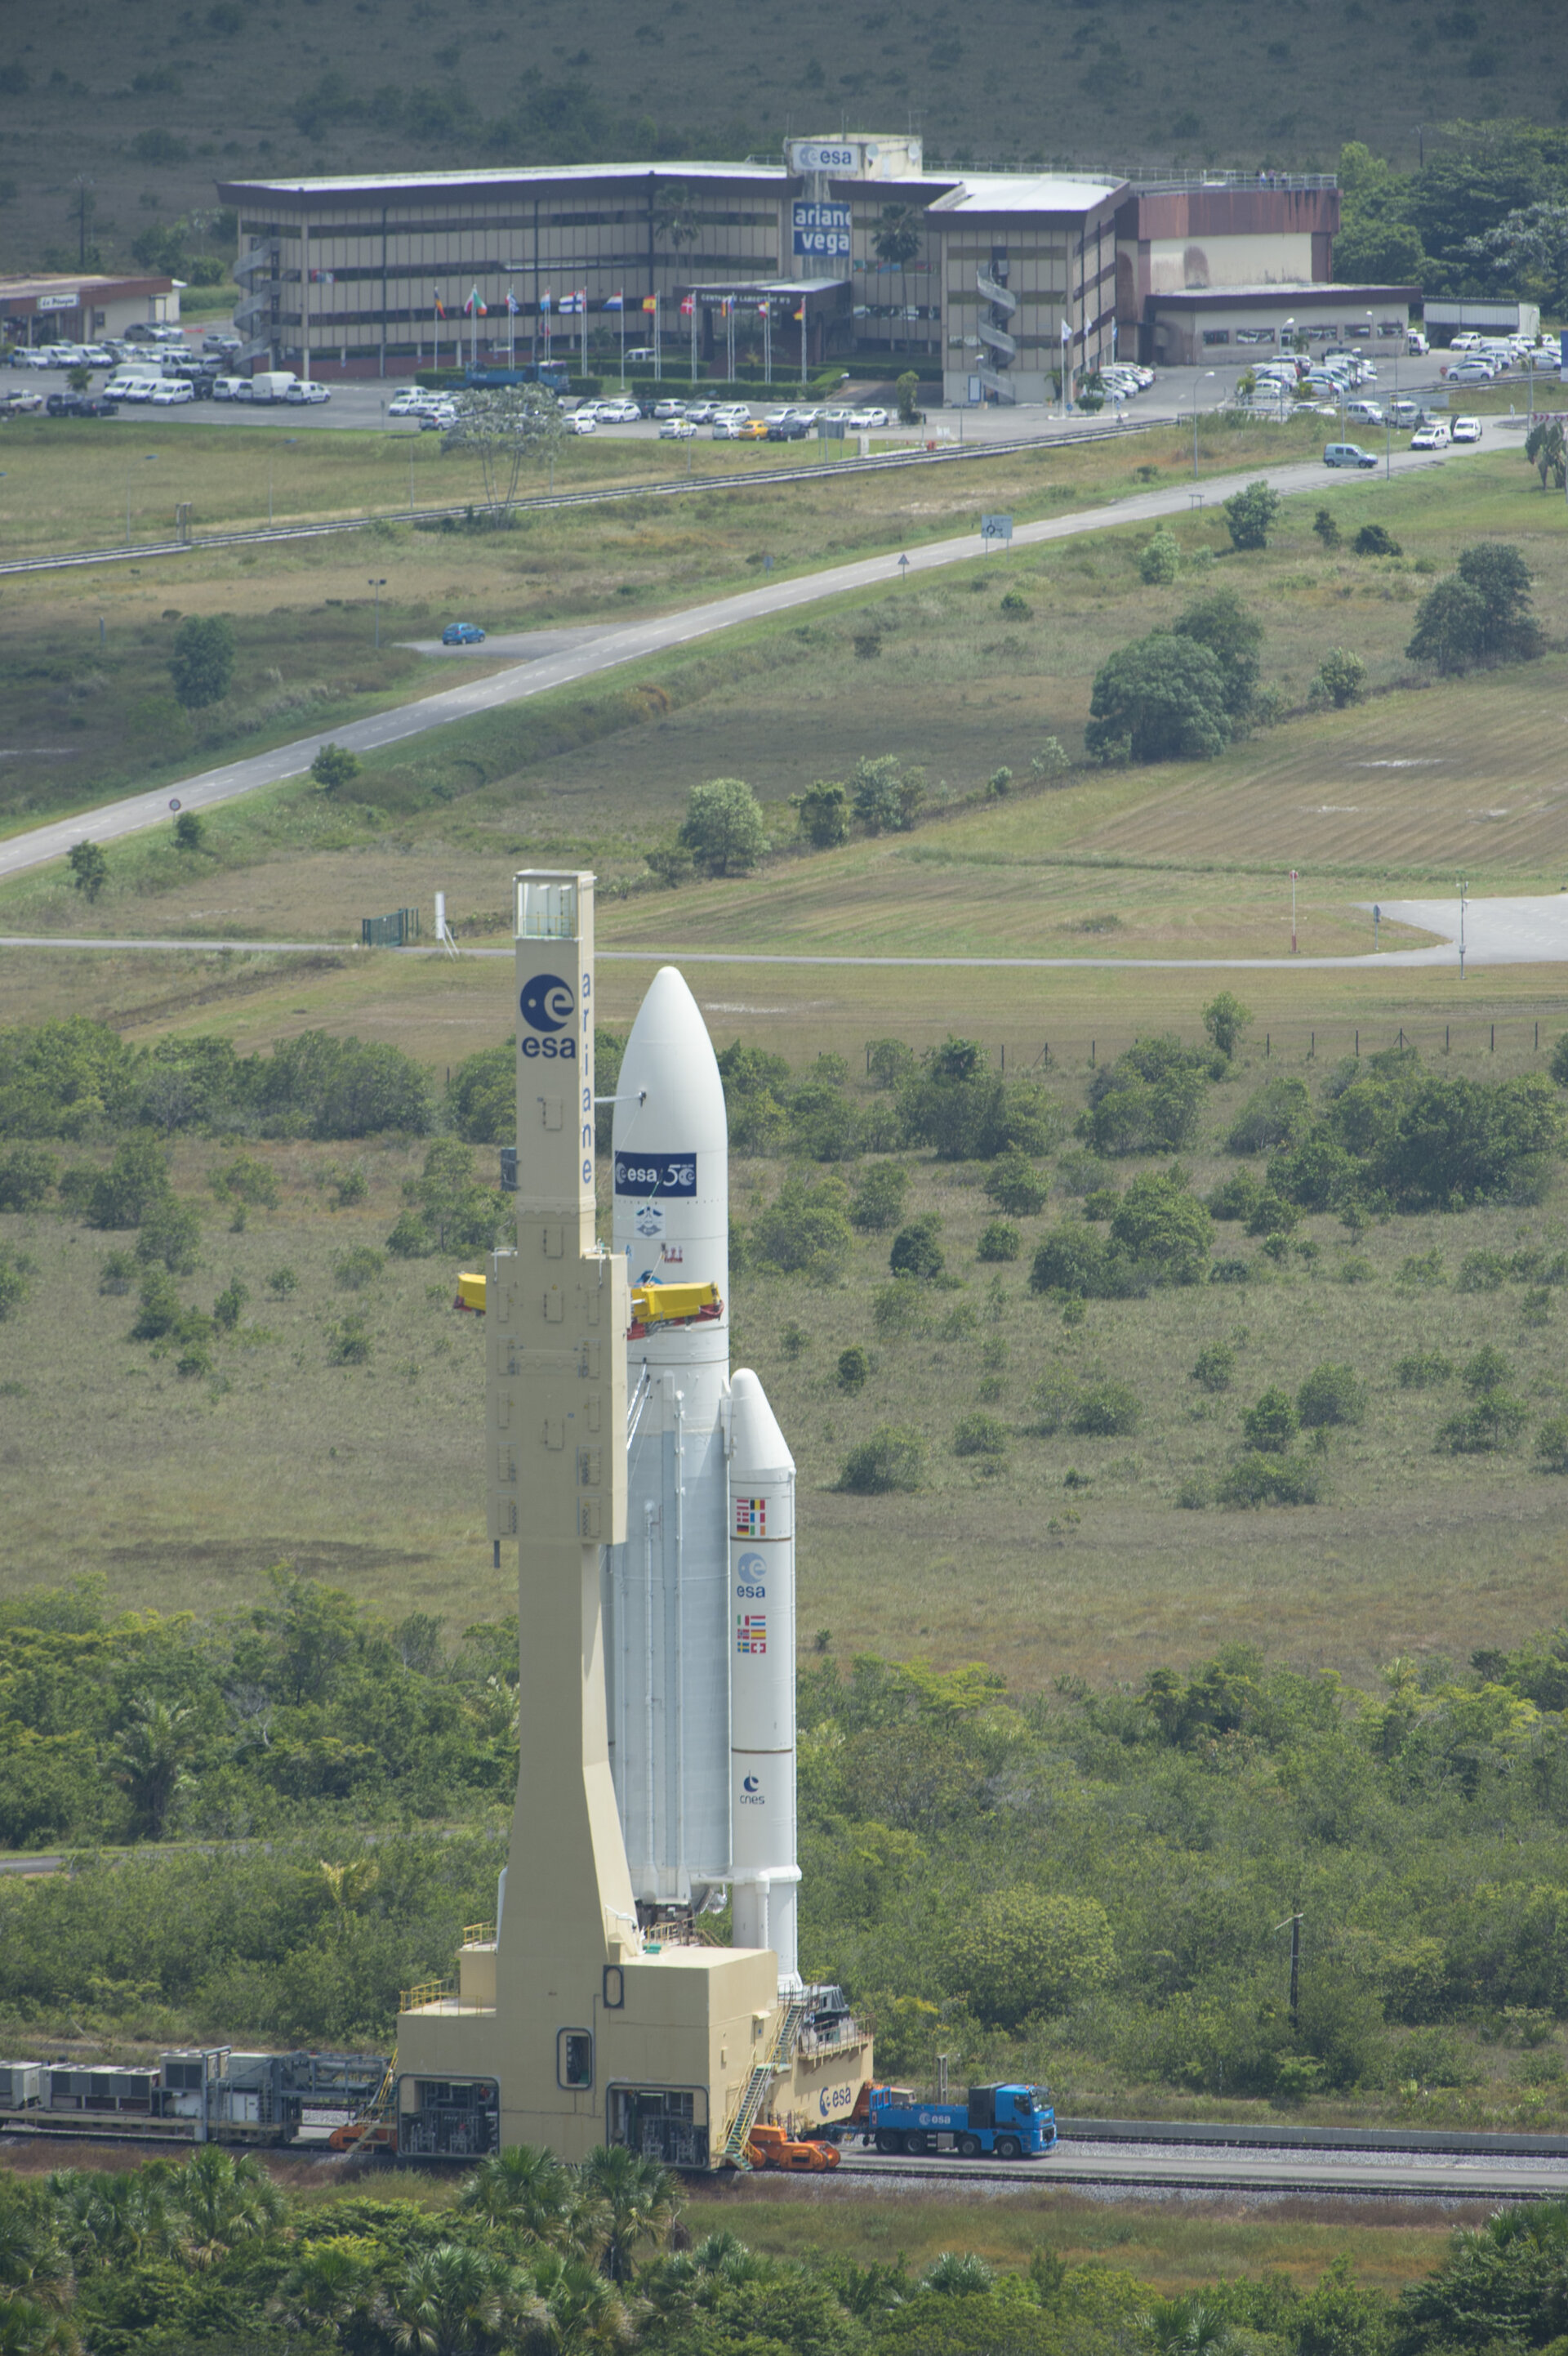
<point>700,1602</point>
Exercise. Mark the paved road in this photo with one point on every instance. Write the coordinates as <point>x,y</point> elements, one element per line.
<point>1522,931</point>
<point>1186,2167</point>
<point>633,643</point>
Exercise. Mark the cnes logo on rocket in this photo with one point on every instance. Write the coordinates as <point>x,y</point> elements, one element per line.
<point>547,1006</point>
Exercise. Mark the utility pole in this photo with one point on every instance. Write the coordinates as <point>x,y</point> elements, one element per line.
<point>378,586</point>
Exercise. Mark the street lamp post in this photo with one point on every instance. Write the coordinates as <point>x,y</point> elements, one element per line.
<point>378,586</point>
<point>1202,380</point>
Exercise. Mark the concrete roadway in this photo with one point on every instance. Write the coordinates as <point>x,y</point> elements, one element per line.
<point>1185,2168</point>
<point>635,642</point>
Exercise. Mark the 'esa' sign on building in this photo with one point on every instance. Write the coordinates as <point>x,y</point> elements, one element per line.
<point>821,228</point>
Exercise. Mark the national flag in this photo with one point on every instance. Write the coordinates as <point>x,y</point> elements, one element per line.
<point>727,305</point>
<point>544,301</point>
<point>614,301</point>
<point>440,305</point>
<point>800,313</point>
<point>750,1518</point>
<point>474,306</point>
<point>650,302</point>
<point>572,303</point>
<point>513,306</point>
<point>762,310</point>
<point>750,1632</point>
<point>1066,332</point>
<point>321,278</point>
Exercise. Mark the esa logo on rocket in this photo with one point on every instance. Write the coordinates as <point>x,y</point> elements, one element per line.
<point>547,1006</point>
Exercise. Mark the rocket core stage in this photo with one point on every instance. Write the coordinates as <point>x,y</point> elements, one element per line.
<point>700,1602</point>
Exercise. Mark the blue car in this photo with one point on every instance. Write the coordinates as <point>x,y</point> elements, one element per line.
<point>463,634</point>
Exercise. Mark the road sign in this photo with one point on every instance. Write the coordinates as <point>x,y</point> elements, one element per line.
<point>831,429</point>
<point>995,527</point>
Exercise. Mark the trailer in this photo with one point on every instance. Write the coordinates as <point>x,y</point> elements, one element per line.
<point>992,2122</point>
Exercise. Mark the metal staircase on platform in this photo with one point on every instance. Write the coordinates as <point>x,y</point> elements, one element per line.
<point>380,2110</point>
<point>744,2118</point>
<point>1002,346</point>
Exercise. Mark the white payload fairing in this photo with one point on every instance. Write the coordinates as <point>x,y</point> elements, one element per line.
<point>700,1602</point>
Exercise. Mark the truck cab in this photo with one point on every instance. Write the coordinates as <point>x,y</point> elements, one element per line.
<point>996,2122</point>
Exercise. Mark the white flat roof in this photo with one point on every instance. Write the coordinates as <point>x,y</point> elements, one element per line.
<point>418,183</point>
<point>1025,192</point>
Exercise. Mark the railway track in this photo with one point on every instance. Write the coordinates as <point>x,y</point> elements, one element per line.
<point>673,486</point>
<point>1411,2173</point>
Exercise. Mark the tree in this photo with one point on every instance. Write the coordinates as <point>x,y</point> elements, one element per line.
<point>723,827</point>
<point>1325,523</point>
<point>885,796</point>
<point>896,240</point>
<point>1548,453</point>
<point>1527,253</point>
<point>1249,515</point>
<point>1232,636</point>
<point>149,1762</point>
<point>453,2301</point>
<point>823,814</point>
<point>916,1252</point>
<point>136,1180</point>
<point>523,2189</point>
<point>507,426</point>
<point>1331,1394</point>
<point>1160,698</point>
<point>225,2199</point>
<point>334,765</point>
<point>1342,678</point>
<point>201,661</point>
<point>1376,540</point>
<point>630,2202</point>
<point>88,865</point>
<point>1163,1228</point>
<point>676,219</point>
<point>189,831</point>
<point>1022,1953</point>
<point>1160,559</point>
<point>1480,615</point>
<point>1226,1019</point>
<point>1271,1423</point>
<point>907,391</point>
<point>1450,624</point>
<point>1371,250</point>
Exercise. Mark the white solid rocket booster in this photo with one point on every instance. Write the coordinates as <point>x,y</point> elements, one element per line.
<point>700,1665</point>
<point>761,1677</point>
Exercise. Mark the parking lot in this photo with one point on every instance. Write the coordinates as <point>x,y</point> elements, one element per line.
<point>361,404</point>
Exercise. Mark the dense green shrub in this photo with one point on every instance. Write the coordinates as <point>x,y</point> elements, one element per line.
<point>1271,1424</point>
<point>1236,1198</point>
<point>1160,698</point>
<point>805,1230</point>
<point>892,1459</point>
<point>956,1105</point>
<point>980,1435</point>
<point>1265,1479</point>
<point>1106,1411</point>
<point>1274,1114</point>
<point>171,1232</point>
<point>26,1177</point>
<point>1423,1370</point>
<point>1026,1952</point>
<point>879,1197</point>
<point>1147,1101</point>
<point>853,1368</point>
<point>999,1240</point>
<point>1214,1366</point>
<point>1016,1185</point>
<point>1162,1230</point>
<point>1329,1395</point>
<point>916,1252</point>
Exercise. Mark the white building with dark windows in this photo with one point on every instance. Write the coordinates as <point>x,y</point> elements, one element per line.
<point>846,249</point>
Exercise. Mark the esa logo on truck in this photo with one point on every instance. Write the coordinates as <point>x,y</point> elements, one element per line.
<point>833,2099</point>
<point>547,1006</point>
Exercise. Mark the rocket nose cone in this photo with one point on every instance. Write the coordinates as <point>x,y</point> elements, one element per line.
<point>757,1444</point>
<point>669,1095</point>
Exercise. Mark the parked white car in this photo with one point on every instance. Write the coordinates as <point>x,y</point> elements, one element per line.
<point>582,421</point>
<point>308,395</point>
<point>172,393</point>
<point>1430,436</point>
<point>1465,429</point>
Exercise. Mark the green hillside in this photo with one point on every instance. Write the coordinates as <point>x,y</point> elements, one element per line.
<point>154,101</point>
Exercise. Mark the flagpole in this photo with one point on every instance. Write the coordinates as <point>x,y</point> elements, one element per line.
<point>583,299</point>
<point>623,339</point>
<point>658,362</point>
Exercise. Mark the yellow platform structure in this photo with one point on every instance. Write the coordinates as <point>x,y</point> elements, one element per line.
<point>570,2026</point>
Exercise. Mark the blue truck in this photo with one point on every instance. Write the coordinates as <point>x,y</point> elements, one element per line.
<point>998,2122</point>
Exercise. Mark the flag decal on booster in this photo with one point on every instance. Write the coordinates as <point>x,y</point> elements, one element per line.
<point>750,1518</point>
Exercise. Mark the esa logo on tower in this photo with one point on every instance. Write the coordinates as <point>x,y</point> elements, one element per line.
<point>547,1006</point>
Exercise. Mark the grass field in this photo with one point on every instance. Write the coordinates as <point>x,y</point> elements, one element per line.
<point>157,105</point>
<point>186,1493</point>
<point>85,708</point>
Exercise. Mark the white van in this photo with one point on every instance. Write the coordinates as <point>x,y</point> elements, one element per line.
<point>272,384</point>
<point>1415,343</point>
<point>132,385</point>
